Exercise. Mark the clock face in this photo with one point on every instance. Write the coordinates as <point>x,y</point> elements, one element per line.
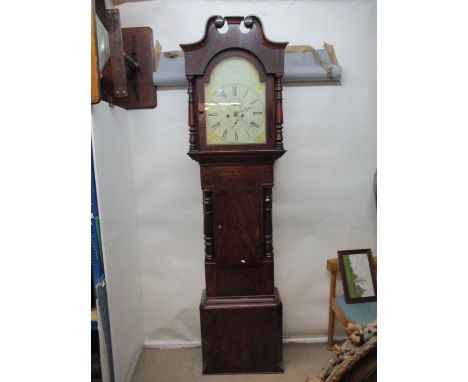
<point>235,104</point>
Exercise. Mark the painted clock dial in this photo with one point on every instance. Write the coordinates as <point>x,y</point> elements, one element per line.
<point>235,104</point>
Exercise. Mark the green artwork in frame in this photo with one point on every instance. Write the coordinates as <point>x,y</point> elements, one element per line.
<point>358,275</point>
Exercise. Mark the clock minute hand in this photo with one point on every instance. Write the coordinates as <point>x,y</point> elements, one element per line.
<point>243,120</point>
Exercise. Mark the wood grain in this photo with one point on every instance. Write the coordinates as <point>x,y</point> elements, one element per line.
<point>95,89</point>
<point>241,310</point>
<point>242,335</point>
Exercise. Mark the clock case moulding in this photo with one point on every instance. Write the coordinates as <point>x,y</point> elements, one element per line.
<point>240,309</point>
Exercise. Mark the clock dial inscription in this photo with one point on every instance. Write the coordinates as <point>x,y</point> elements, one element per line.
<point>235,104</point>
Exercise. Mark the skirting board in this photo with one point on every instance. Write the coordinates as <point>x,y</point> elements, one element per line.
<point>190,344</point>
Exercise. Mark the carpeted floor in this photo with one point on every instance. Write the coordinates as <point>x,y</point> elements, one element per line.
<point>184,365</point>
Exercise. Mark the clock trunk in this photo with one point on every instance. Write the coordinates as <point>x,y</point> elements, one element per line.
<point>240,310</point>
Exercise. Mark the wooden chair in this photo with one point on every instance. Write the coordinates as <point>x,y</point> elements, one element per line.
<point>361,313</point>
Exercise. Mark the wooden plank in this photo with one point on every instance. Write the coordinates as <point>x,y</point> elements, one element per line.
<point>333,265</point>
<point>141,92</point>
<point>331,313</point>
<point>119,79</point>
<point>95,90</point>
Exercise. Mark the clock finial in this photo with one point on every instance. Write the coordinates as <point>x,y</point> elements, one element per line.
<point>219,22</point>
<point>248,22</point>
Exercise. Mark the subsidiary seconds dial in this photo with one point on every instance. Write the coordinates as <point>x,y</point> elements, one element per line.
<point>235,114</point>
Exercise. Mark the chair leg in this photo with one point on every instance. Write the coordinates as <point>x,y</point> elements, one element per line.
<point>331,327</point>
<point>331,313</point>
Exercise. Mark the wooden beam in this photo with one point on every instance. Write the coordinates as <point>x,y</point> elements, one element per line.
<point>95,88</point>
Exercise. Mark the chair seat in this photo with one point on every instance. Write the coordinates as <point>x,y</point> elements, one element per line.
<point>360,313</point>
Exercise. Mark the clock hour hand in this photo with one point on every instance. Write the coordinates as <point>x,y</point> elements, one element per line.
<point>243,120</point>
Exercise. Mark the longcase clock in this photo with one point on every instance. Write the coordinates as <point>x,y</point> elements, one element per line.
<point>235,119</point>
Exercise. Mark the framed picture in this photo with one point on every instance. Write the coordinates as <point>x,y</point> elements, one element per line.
<point>358,275</point>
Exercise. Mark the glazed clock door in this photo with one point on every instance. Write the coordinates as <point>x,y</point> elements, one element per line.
<point>235,104</point>
<point>238,235</point>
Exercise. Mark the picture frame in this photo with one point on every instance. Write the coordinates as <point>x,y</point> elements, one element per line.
<point>358,275</point>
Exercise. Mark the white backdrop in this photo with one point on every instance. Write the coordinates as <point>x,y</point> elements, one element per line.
<point>116,201</point>
<point>323,197</point>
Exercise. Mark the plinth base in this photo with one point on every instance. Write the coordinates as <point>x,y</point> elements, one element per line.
<point>242,334</point>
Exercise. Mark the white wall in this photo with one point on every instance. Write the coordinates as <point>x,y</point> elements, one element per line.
<point>323,197</point>
<point>116,200</point>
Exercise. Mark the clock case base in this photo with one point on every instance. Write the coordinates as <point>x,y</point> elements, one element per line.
<point>242,334</point>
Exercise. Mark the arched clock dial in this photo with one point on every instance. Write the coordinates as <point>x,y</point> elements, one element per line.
<point>235,104</point>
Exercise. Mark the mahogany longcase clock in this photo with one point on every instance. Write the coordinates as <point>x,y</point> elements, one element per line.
<point>235,119</point>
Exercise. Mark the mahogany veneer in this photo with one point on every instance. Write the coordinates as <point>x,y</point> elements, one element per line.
<point>240,310</point>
